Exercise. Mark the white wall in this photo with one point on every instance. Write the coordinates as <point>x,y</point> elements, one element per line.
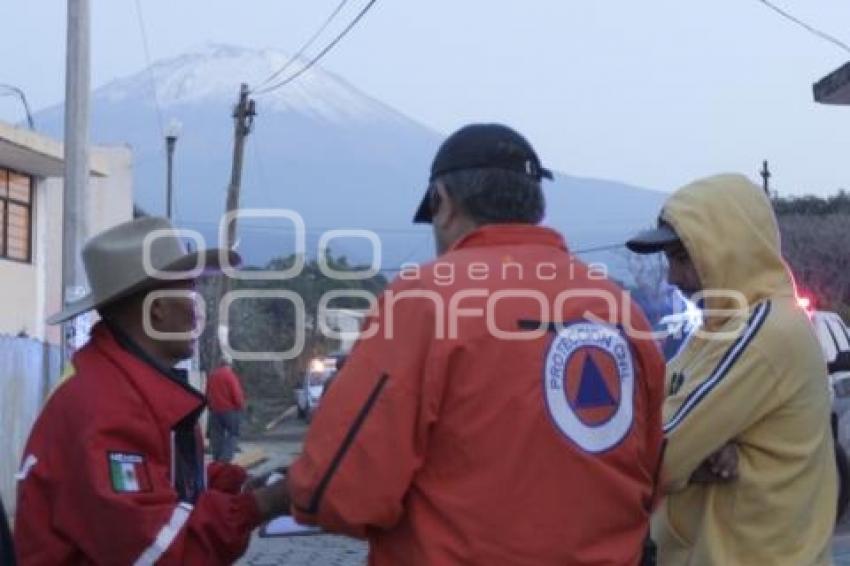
<point>29,293</point>
<point>28,368</point>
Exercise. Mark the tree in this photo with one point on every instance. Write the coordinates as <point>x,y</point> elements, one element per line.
<point>810,205</point>
<point>815,244</point>
<point>816,248</point>
<point>267,325</point>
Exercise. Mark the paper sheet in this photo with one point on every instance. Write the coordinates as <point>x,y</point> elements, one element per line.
<point>286,527</point>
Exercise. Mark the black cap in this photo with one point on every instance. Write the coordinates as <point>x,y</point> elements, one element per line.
<point>653,240</point>
<point>482,146</point>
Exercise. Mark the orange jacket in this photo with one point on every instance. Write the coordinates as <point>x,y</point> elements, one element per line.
<point>443,444</point>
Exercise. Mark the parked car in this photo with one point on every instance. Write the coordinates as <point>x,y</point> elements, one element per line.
<point>320,371</point>
<point>834,338</point>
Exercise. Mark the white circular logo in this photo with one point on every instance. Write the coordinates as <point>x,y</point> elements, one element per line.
<point>589,384</point>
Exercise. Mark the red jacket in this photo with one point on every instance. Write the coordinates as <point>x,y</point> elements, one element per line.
<point>463,448</point>
<point>224,392</point>
<point>97,482</point>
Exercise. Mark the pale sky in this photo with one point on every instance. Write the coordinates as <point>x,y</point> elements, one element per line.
<point>650,93</point>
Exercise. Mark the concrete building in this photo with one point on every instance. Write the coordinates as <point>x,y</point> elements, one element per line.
<point>31,200</point>
<point>31,194</point>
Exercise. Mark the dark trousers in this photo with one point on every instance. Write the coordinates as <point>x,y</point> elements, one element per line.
<point>224,434</point>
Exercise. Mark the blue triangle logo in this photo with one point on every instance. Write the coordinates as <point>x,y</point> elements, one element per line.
<point>592,391</point>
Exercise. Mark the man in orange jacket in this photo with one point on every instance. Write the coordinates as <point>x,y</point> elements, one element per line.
<point>496,409</point>
<point>113,471</point>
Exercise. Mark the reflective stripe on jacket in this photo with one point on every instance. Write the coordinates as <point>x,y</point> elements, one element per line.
<point>97,483</point>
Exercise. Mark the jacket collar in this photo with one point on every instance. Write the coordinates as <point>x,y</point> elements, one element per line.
<point>510,234</point>
<point>166,392</point>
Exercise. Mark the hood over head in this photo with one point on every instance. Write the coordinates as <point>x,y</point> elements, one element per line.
<point>728,227</point>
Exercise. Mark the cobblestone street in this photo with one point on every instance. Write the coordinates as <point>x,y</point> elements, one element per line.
<point>306,550</point>
<point>284,444</point>
<point>342,551</point>
<point>281,447</point>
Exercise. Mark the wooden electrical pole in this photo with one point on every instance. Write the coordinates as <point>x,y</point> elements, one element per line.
<point>74,202</point>
<point>243,118</point>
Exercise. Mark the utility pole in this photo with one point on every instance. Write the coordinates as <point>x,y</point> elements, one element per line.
<point>171,136</point>
<point>243,119</point>
<point>74,222</point>
<point>765,177</point>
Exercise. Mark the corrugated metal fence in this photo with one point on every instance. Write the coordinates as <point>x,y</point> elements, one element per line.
<point>28,371</point>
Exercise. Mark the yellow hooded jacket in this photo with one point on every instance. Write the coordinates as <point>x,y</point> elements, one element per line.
<point>756,377</point>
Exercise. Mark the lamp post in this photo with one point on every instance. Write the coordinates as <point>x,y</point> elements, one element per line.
<point>171,135</point>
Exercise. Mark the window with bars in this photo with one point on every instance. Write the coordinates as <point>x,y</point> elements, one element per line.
<point>16,197</point>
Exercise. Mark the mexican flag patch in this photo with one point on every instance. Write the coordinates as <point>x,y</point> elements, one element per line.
<point>128,472</point>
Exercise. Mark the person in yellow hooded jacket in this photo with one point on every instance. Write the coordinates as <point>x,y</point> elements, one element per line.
<point>751,381</point>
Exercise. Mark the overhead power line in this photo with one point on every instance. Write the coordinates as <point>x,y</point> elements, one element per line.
<point>304,47</point>
<point>321,53</point>
<point>811,29</point>
<point>598,249</point>
<point>151,77</point>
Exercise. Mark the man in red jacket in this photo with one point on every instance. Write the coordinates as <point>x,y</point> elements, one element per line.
<point>113,471</point>
<point>498,408</point>
<point>226,401</point>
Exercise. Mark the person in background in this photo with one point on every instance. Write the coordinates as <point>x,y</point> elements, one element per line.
<point>113,471</point>
<point>226,401</point>
<point>749,471</point>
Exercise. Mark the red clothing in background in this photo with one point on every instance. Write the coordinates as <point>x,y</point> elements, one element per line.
<point>224,392</point>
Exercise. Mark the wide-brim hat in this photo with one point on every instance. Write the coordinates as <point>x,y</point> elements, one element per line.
<point>135,256</point>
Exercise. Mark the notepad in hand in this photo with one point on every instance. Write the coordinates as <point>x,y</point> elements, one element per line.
<point>286,527</point>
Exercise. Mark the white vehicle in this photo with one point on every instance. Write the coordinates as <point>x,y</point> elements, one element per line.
<point>320,371</point>
<point>834,338</point>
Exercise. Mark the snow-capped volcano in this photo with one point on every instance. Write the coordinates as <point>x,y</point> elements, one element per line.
<point>319,147</point>
<point>215,72</point>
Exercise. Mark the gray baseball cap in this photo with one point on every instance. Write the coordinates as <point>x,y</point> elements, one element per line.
<point>653,240</point>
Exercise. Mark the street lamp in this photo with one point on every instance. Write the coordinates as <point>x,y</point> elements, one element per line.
<point>13,90</point>
<point>171,135</point>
